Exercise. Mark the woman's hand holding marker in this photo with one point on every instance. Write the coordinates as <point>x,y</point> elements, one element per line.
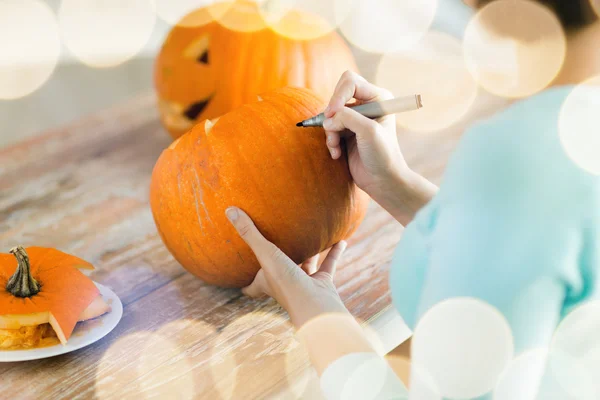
<point>374,156</point>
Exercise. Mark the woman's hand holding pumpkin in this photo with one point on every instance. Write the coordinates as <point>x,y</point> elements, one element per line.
<point>376,162</point>
<point>304,292</point>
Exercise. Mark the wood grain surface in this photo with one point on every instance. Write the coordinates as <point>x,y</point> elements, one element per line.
<point>84,189</point>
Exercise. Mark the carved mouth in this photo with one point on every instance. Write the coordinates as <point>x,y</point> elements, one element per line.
<point>195,109</point>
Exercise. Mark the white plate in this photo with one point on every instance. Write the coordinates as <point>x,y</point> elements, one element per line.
<point>85,333</point>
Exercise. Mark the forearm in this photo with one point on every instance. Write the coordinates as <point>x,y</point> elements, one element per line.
<point>404,194</point>
<point>342,355</point>
<point>330,336</point>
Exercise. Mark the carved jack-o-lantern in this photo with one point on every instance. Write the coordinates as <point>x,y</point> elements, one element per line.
<point>204,71</point>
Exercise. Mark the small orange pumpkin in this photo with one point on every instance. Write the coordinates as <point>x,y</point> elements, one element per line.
<point>40,286</point>
<point>204,71</point>
<point>253,157</point>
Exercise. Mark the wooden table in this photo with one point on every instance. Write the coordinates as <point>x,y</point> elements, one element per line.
<point>84,190</point>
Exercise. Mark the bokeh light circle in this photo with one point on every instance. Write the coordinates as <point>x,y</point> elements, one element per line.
<point>401,367</point>
<point>174,11</point>
<point>318,334</point>
<point>107,368</point>
<point>30,46</point>
<point>540,374</point>
<point>304,19</point>
<point>370,369</point>
<point>106,33</point>
<point>435,69</point>
<point>239,15</point>
<point>164,369</point>
<point>256,341</point>
<point>514,48</point>
<point>578,337</point>
<point>382,26</point>
<point>167,365</point>
<point>420,383</point>
<point>522,378</point>
<point>313,333</point>
<point>463,344</point>
<point>579,125</point>
<point>373,338</point>
<point>302,379</point>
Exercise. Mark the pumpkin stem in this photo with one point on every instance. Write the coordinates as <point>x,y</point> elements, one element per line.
<point>22,284</point>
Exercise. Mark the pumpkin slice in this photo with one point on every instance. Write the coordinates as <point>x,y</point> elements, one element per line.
<point>97,308</point>
<point>43,285</point>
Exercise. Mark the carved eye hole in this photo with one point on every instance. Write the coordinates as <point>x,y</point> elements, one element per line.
<point>198,50</point>
<point>204,57</point>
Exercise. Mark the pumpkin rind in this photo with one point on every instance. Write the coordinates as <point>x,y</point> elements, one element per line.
<point>64,294</point>
<point>207,70</point>
<point>257,159</point>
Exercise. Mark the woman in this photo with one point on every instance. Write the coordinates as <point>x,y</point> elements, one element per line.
<point>515,223</point>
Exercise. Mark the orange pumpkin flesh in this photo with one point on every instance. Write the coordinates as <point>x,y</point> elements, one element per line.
<point>206,70</point>
<point>65,294</point>
<point>257,159</point>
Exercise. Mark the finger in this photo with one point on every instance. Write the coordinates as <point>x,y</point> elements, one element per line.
<point>257,288</point>
<point>323,256</point>
<point>335,152</point>
<point>330,263</point>
<point>351,85</point>
<point>333,139</point>
<point>247,230</point>
<point>349,120</point>
<point>253,290</point>
<point>310,266</point>
<point>333,144</point>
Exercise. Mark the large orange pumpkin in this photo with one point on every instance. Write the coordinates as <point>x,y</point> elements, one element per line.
<point>208,69</point>
<point>254,158</point>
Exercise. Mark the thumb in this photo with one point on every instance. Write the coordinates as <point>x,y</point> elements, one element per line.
<point>246,229</point>
<point>270,257</point>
